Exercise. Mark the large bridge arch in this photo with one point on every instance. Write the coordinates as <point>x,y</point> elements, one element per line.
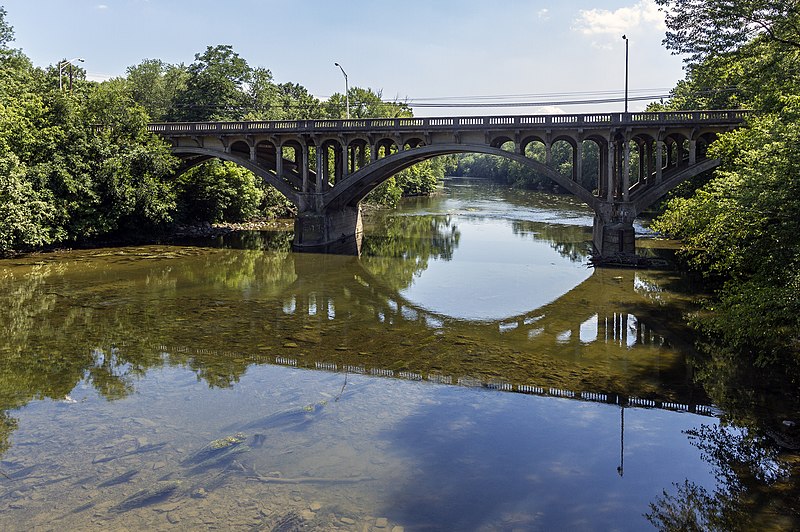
<point>359,184</point>
<point>197,155</point>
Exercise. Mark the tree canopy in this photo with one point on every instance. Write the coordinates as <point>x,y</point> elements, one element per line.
<point>741,228</point>
<point>706,28</point>
<point>78,162</point>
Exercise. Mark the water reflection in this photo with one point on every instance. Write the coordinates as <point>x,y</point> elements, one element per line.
<point>104,317</point>
<point>148,354</point>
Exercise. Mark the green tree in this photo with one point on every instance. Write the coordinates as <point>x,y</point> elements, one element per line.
<point>707,28</point>
<point>264,96</point>
<point>296,103</point>
<point>25,219</point>
<point>215,87</point>
<point>219,191</point>
<point>741,228</point>
<point>154,85</point>
<point>6,31</point>
<point>365,103</point>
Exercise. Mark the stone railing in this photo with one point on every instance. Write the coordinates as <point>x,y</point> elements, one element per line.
<point>733,117</point>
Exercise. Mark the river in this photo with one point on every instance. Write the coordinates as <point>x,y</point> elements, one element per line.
<point>470,371</point>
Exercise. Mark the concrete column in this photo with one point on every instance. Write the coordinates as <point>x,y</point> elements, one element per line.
<point>253,154</point>
<point>362,161</point>
<point>643,162</point>
<point>373,153</point>
<point>321,160</point>
<point>548,155</point>
<point>304,165</point>
<point>626,169</point>
<point>279,161</point>
<point>611,171</point>
<point>338,231</point>
<point>692,152</point>
<point>577,162</point>
<point>602,168</point>
<point>345,166</point>
<point>613,238</point>
<point>659,160</point>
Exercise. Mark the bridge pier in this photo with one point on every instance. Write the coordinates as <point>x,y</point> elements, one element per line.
<point>330,231</point>
<point>613,236</point>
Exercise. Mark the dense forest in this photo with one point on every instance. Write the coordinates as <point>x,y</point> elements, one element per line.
<point>77,162</point>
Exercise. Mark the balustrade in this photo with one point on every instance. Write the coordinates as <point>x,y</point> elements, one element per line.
<point>689,118</point>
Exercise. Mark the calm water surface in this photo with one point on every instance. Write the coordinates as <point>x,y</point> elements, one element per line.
<point>468,372</point>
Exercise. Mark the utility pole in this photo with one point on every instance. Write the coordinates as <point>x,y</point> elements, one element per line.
<point>626,72</point>
<point>61,66</point>
<point>346,91</point>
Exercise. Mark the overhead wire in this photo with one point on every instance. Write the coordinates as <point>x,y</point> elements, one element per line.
<point>481,101</point>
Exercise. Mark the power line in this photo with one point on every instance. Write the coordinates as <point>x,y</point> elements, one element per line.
<point>538,104</point>
<point>482,101</point>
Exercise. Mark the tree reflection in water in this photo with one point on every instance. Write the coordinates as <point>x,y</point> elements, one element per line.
<point>754,454</point>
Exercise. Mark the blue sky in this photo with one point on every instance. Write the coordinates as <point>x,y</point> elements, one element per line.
<point>414,49</point>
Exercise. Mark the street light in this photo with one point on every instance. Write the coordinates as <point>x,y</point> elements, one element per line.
<point>346,91</point>
<point>626,72</point>
<point>61,66</point>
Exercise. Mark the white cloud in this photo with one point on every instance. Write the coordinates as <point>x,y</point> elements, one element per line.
<point>602,22</point>
<point>550,110</point>
<point>102,6</point>
<point>543,14</point>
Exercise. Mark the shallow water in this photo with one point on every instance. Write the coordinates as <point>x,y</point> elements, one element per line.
<point>468,372</point>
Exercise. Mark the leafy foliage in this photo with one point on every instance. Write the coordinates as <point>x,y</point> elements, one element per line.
<point>215,87</point>
<point>742,229</point>
<point>219,191</point>
<point>79,163</point>
<point>6,31</point>
<point>706,28</point>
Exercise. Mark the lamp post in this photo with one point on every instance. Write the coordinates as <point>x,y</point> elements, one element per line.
<point>346,91</point>
<point>626,72</point>
<point>61,66</point>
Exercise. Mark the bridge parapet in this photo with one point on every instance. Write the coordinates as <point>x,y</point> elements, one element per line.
<point>683,118</point>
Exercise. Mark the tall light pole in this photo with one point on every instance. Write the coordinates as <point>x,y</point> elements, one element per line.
<point>346,91</point>
<point>61,66</point>
<point>626,72</point>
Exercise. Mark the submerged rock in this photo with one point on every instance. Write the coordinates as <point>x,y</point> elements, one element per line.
<point>290,522</point>
<point>216,449</point>
<point>293,418</point>
<point>149,495</point>
<point>121,479</point>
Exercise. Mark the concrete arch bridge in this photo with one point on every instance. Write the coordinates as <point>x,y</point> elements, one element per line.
<point>326,167</point>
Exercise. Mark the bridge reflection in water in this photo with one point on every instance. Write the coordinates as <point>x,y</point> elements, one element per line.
<point>608,349</point>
